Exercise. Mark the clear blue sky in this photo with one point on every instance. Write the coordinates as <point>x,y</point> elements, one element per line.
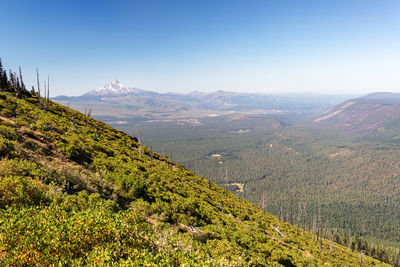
<point>250,46</point>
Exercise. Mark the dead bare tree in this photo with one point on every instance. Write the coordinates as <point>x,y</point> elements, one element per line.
<point>263,201</point>
<point>325,228</point>
<point>348,241</point>
<point>38,88</point>
<point>304,218</point>
<point>314,227</point>
<point>21,89</point>
<point>140,144</point>
<point>73,124</point>
<point>45,97</point>
<point>361,257</point>
<point>88,116</point>
<point>151,151</point>
<point>319,223</point>
<point>48,93</point>
<point>280,213</point>
<point>291,213</point>
<point>278,230</point>
<point>298,218</point>
<point>20,79</point>
<point>320,245</point>
<point>226,175</point>
<point>71,118</point>
<point>171,152</point>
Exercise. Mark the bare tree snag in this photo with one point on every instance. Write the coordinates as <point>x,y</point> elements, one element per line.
<point>140,144</point>
<point>88,116</point>
<point>361,258</point>
<point>38,88</point>
<point>348,241</point>
<point>48,92</point>
<point>320,245</point>
<point>151,151</point>
<point>263,201</point>
<point>277,229</point>
<point>304,218</point>
<point>314,227</point>
<point>45,98</point>
<point>298,218</point>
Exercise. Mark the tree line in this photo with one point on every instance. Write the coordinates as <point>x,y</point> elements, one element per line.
<point>13,82</point>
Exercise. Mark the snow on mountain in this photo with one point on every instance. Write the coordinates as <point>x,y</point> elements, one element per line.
<point>113,88</point>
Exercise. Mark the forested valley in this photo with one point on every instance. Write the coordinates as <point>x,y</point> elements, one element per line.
<point>313,177</point>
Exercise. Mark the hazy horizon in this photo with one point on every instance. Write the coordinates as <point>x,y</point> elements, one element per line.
<point>214,91</point>
<point>277,47</point>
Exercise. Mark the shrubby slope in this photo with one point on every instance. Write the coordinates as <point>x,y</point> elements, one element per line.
<point>75,191</point>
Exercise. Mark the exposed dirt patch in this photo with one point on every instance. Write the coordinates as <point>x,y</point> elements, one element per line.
<point>7,120</point>
<point>307,254</point>
<point>336,112</point>
<point>341,153</point>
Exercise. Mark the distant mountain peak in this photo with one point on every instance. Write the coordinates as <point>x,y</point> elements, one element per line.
<point>114,88</point>
<point>116,82</point>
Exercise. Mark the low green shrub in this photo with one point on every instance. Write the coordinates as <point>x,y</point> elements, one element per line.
<point>19,191</point>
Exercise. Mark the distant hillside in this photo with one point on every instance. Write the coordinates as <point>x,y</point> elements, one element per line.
<point>120,101</point>
<point>75,191</point>
<point>374,113</point>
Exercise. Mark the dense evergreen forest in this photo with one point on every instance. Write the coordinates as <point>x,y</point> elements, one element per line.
<point>74,191</point>
<point>349,185</point>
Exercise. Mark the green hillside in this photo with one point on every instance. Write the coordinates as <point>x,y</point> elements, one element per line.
<point>75,191</point>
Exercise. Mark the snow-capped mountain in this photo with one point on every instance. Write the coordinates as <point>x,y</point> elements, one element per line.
<point>150,104</point>
<point>113,88</point>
